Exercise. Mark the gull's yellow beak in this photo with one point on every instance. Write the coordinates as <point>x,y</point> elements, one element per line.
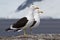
<point>38,9</point>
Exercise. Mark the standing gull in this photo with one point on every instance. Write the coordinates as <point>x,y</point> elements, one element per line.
<point>36,22</point>
<point>32,19</point>
<point>24,22</point>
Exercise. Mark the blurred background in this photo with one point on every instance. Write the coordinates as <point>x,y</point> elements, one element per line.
<point>13,10</point>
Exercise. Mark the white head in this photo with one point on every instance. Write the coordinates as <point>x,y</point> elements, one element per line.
<point>36,9</point>
<point>33,7</point>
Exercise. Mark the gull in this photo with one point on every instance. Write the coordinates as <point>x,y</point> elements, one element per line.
<point>31,20</point>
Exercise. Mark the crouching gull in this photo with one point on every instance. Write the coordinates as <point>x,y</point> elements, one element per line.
<point>31,20</point>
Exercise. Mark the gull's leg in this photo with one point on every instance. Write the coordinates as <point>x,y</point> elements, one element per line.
<point>25,33</point>
<point>30,30</point>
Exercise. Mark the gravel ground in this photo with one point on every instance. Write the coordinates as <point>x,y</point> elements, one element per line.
<point>33,37</point>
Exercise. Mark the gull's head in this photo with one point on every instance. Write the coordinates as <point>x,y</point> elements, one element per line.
<point>33,7</point>
<point>36,8</point>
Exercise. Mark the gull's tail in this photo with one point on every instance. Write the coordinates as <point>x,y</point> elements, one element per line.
<point>17,30</point>
<point>8,29</point>
<point>11,28</point>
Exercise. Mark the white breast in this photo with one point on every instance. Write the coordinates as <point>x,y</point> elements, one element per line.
<point>29,23</point>
<point>30,20</point>
<point>37,19</point>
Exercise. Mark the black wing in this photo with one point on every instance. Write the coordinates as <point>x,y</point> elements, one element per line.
<point>33,24</point>
<point>20,23</point>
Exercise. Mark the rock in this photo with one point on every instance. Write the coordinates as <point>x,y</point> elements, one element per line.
<point>33,37</point>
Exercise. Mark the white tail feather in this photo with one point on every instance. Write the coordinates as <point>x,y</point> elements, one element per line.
<point>11,26</point>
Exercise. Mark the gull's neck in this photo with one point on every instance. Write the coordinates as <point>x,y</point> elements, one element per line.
<point>36,15</point>
<point>30,12</point>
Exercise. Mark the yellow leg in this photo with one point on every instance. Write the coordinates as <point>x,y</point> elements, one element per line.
<point>25,33</point>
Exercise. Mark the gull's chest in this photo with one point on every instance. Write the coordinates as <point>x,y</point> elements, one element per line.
<point>37,17</point>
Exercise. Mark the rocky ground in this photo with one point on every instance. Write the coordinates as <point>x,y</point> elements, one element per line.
<point>33,37</point>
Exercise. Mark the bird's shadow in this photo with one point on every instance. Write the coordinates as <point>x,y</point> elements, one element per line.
<point>25,4</point>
